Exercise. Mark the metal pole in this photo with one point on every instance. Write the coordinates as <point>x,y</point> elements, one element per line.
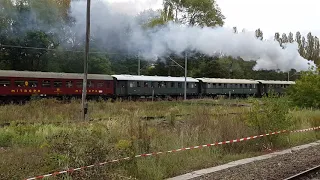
<point>85,64</point>
<point>139,64</point>
<point>288,75</point>
<point>185,76</point>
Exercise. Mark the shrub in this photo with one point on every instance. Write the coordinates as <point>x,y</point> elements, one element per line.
<point>306,91</point>
<point>269,115</point>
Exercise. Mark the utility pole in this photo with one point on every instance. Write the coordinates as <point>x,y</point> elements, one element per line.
<point>185,73</point>
<point>139,64</point>
<point>85,64</point>
<point>185,76</point>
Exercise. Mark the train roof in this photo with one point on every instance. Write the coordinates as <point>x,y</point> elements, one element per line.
<point>275,82</point>
<point>52,75</point>
<point>228,81</point>
<point>153,78</point>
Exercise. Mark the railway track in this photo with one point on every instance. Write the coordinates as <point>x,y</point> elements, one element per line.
<point>312,173</point>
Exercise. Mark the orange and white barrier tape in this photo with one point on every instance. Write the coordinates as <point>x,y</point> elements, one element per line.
<point>172,151</point>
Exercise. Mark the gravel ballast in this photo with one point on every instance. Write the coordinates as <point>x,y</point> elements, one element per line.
<point>279,167</point>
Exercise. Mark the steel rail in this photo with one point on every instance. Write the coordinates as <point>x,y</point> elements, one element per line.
<point>303,173</point>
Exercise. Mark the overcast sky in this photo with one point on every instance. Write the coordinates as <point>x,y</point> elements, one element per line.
<point>269,15</point>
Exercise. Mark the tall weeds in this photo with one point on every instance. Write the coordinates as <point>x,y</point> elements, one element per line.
<point>46,136</point>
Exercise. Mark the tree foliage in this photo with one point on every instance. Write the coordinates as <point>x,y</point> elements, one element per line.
<point>191,12</point>
<point>47,26</point>
<point>306,91</point>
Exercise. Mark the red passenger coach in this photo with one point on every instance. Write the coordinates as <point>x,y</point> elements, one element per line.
<point>24,84</point>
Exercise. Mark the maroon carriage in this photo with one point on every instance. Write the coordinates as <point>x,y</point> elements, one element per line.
<point>26,83</point>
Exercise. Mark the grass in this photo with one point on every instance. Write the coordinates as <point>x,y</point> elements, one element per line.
<point>45,136</point>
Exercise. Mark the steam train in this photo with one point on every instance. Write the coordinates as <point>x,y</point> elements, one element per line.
<point>19,85</point>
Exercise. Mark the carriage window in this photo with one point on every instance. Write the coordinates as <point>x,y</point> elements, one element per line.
<point>4,83</point>
<point>131,84</point>
<point>209,85</point>
<point>33,84</point>
<point>46,83</point>
<point>138,84</point>
<point>90,84</point>
<point>19,83</point>
<point>214,85</point>
<point>246,85</point>
<point>240,85</point>
<point>57,84</point>
<point>153,84</point>
<point>100,84</point>
<point>145,84</point>
<point>159,84</point>
<point>172,84</point>
<point>225,85</point>
<point>69,84</point>
<point>250,86</point>
<point>192,85</point>
<point>79,84</point>
<point>179,85</point>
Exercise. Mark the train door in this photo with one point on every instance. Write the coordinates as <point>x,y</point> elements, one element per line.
<point>122,88</point>
<point>260,89</point>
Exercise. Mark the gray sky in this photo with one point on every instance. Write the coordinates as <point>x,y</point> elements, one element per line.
<point>270,15</point>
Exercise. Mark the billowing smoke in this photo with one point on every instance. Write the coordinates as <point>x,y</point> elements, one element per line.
<point>118,30</point>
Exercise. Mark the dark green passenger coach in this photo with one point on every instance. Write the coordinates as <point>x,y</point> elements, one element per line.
<point>157,86</point>
<point>232,87</point>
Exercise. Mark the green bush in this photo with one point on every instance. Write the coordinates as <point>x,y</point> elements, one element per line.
<point>269,115</point>
<point>6,137</point>
<point>306,91</point>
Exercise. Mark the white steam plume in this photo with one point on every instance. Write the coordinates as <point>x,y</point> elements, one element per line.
<point>125,32</point>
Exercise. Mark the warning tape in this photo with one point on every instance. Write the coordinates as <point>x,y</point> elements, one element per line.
<point>176,150</point>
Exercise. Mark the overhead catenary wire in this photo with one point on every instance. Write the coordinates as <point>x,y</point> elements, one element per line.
<point>49,49</point>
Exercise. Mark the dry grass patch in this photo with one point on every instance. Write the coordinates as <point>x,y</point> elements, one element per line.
<point>57,140</point>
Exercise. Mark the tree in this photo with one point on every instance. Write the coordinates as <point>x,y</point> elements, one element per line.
<point>165,16</point>
<point>284,38</point>
<point>303,47</point>
<point>259,34</point>
<point>195,13</point>
<point>277,38</point>
<point>300,44</point>
<point>306,91</point>
<point>210,67</point>
<point>202,13</point>
<point>24,30</point>
<point>290,37</point>
<point>310,46</point>
<point>235,30</point>
<point>158,68</point>
<point>316,54</point>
